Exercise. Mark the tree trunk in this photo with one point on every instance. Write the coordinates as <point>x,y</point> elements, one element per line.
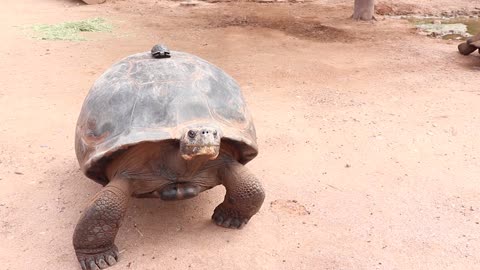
<point>364,10</point>
<point>94,2</point>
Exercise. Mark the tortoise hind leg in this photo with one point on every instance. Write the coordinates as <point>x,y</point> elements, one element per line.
<point>95,232</point>
<point>244,197</point>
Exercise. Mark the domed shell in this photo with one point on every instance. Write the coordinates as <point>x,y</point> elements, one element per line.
<point>142,98</point>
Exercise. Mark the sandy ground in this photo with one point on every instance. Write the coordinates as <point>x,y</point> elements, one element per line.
<point>369,138</point>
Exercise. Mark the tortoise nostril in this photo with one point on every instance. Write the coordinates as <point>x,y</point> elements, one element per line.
<point>208,131</point>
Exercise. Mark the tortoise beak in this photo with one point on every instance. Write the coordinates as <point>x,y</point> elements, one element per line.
<point>192,151</point>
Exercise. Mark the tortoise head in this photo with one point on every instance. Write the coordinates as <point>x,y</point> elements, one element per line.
<point>202,141</point>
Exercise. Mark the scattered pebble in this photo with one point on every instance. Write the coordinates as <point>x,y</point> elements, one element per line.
<point>189,3</point>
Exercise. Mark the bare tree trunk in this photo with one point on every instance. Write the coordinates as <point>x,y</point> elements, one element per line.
<point>94,2</point>
<point>364,10</point>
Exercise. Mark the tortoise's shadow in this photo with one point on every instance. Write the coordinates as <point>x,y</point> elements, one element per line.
<point>160,216</point>
<point>470,62</point>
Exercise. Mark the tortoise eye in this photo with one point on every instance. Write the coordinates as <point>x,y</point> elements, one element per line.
<point>191,134</point>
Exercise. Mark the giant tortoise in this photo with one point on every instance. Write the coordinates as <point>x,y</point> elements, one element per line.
<point>165,125</point>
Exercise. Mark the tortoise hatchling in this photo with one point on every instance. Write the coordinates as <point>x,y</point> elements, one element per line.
<point>159,51</point>
<point>166,128</point>
<point>470,46</point>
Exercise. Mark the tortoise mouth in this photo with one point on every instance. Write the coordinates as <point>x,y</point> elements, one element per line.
<point>192,151</point>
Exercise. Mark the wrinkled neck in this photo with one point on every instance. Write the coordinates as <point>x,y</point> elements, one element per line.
<point>194,165</point>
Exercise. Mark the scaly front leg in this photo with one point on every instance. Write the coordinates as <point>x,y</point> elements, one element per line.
<point>244,197</point>
<point>95,232</point>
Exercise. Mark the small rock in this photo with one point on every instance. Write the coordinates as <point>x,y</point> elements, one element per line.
<point>19,173</point>
<point>347,166</point>
<point>189,3</point>
<point>453,131</point>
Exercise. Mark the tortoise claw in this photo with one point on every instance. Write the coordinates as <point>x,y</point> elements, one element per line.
<point>97,261</point>
<point>229,218</point>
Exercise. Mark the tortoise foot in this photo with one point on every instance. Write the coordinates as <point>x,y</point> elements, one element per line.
<point>466,49</point>
<point>93,260</point>
<point>228,217</point>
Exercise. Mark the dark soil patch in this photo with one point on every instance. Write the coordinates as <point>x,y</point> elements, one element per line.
<point>298,27</point>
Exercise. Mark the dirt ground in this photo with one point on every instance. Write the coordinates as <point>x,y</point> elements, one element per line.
<point>368,135</point>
